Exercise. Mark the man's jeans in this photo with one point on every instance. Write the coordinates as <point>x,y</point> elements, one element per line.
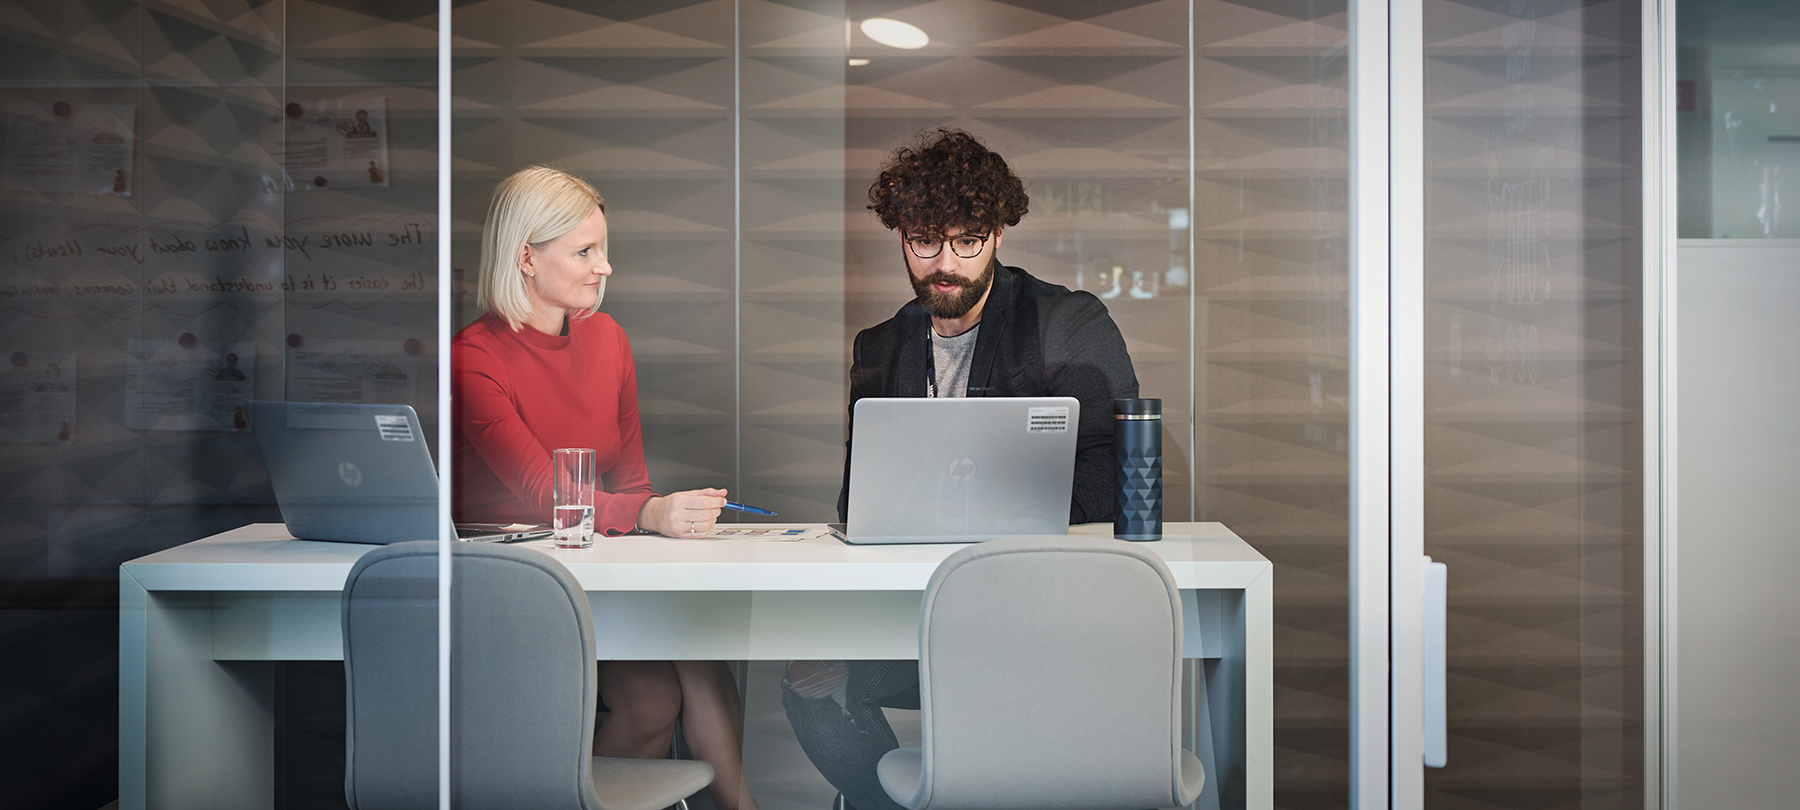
<point>837,718</point>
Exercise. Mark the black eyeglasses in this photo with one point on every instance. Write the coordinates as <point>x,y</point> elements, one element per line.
<point>966,246</point>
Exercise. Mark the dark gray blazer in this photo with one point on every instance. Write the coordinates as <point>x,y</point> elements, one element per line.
<point>1037,340</point>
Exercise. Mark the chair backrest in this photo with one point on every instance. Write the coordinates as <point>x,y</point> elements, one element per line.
<point>522,680</point>
<point>1049,673</point>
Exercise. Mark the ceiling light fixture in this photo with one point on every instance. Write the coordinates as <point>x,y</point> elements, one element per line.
<point>858,62</point>
<point>894,33</point>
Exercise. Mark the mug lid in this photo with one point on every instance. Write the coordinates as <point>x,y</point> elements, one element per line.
<point>1143,406</point>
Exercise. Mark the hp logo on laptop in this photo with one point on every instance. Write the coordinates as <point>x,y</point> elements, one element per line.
<point>962,469</point>
<point>350,473</point>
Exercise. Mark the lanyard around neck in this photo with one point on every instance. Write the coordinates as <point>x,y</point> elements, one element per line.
<point>930,363</point>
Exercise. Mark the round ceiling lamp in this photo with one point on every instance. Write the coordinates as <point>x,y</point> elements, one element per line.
<point>894,33</point>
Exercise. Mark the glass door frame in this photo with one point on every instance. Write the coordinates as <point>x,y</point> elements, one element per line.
<point>1387,447</point>
<point>1659,231</point>
<point>446,106</point>
<point>1371,222</point>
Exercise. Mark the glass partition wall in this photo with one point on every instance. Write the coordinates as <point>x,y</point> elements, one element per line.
<point>202,204</point>
<point>1534,456</point>
<point>1186,163</point>
<point>360,184</point>
<point>195,189</point>
<point>1185,160</point>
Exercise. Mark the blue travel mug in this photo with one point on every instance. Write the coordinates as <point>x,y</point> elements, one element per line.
<point>1137,454</point>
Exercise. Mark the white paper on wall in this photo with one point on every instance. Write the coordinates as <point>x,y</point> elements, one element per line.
<point>351,371</point>
<point>37,397</point>
<point>69,148</point>
<point>199,386</point>
<point>333,143</point>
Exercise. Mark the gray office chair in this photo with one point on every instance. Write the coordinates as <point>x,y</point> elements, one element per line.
<point>523,681</point>
<point>1049,678</point>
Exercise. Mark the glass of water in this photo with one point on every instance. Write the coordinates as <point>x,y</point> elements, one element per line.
<point>573,515</point>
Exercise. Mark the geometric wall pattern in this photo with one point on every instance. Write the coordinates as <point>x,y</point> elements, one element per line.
<point>1271,347</point>
<point>638,99</point>
<point>200,246</point>
<point>1088,104</point>
<point>77,508</point>
<point>1534,416</point>
<point>736,161</point>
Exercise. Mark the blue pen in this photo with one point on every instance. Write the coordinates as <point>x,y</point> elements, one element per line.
<point>751,509</point>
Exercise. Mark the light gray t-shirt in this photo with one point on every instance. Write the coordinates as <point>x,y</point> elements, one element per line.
<point>953,356</point>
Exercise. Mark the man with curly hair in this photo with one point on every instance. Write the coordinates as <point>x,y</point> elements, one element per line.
<point>975,328</point>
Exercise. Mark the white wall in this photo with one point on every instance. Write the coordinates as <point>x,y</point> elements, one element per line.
<point>1736,600</point>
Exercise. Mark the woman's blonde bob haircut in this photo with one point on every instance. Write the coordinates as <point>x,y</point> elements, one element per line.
<point>533,206</point>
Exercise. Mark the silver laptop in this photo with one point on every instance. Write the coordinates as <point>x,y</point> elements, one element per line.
<point>960,470</point>
<point>357,473</point>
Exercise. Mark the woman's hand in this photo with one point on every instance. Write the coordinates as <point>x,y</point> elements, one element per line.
<point>682,514</point>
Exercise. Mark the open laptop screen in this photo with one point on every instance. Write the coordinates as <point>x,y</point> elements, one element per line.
<point>357,473</point>
<point>958,470</point>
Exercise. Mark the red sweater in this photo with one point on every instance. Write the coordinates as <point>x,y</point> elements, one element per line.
<point>516,396</point>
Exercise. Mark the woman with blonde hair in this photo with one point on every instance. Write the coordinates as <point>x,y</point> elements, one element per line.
<point>544,369</point>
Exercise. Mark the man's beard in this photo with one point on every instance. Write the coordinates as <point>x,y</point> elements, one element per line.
<point>958,302</point>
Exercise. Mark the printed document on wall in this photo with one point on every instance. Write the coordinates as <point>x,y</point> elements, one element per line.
<point>37,397</point>
<point>65,148</point>
<point>186,384</point>
<point>333,143</point>
<point>351,371</point>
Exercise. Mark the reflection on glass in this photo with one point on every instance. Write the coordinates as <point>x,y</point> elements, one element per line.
<point>1532,394</point>
<point>1738,119</point>
<point>204,205</point>
<point>1270,333</point>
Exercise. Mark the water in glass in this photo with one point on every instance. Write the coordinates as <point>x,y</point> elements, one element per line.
<point>574,525</point>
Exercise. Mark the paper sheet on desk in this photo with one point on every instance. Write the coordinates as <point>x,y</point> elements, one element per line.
<point>766,532</point>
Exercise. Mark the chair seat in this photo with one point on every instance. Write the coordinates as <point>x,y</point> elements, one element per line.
<point>647,784</point>
<point>901,768</point>
<point>1049,678</point>
<point>899,771</point>
<point>1193,777</point>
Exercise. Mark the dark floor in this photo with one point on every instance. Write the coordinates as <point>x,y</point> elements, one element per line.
<point>309,735</point>
<point>59,708</point>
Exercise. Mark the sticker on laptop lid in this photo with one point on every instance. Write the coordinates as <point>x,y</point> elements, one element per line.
<point>1047,420</point>
<point>394,428</point>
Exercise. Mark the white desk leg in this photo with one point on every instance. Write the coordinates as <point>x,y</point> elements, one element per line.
<point>1223,679</point>
<point>133,697</point>
<point>1200,731</point>
<point>194,734</point>
<point>1258,668</point>
<point>1239,688</point>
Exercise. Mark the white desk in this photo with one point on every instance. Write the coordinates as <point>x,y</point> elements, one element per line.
<point>199,624</point>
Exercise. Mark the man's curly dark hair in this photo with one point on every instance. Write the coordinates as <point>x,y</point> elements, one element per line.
<point>949,182</point>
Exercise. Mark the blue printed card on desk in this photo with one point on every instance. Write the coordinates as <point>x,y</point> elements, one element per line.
<point>765,531</point>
